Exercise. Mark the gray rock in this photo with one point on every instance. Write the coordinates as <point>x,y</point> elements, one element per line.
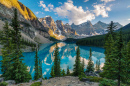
<point>90,73</point>
<point>39,80</point>
<point>1,79</point>
<point>10,82</point>
<point>30,81</point>
<point>85,79</point>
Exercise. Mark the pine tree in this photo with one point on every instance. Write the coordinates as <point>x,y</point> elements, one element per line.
<point>90,66</point>
<point>63,72</point>
<point>56,62</point>
<point>119,57</point>
<point>68,71</point>
<point>82,66</point>
<point>36,75</point>
<point>52,72</point>
<point>40,69</point>
<point>127,65</point>
<point>108,70</point>
<point>98,67</point>
<point>6,51</point>
<point>110,29</point>
<point>19,71</point>
<point>77,65</point>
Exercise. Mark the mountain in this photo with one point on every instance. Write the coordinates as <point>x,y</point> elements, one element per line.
<point>57,29</point>
<point>88,29</point>
<point>100,39</point>
<point>32,29</point>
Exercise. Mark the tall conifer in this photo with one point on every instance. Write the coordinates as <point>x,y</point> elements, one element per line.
<point>90,66</point>
<point>56,62</point>
<point>77,65</point>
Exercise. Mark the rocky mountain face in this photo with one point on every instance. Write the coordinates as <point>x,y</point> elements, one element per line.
<point>88,29</point>
<point>32,29</point>
<point>57,29</point>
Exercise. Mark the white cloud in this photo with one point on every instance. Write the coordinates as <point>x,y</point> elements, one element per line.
<point>129,19</point>
<point>60,2</point>
<point>128,6</point>
<point>39,12</point>
<point>86,7</point>
<point>43,6</point>
<point>51,6</point>
<point>75,14</point>
<point>106,1</point>
<point>86,0</point>
<point>101,9</point>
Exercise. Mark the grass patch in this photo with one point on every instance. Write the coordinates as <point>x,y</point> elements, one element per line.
<point>36,84</point>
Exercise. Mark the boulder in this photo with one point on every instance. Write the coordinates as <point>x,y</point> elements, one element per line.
<point>10,82</point>
<point>91,73</point>
<point>1,79</point>
<point>39,80</point>
<point>85,79</point>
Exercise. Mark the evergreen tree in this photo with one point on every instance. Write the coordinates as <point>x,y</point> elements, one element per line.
<point>77,65</point>
<point>98,67</point>
<point>82,66</point>
<point>63,72</point>
<point>90,66</point>
<point>6,51</point>
<point>127,65</point>
<point>40,69</point>
<point>52,72</point>
<point>36,76</point>
<point>110,29</point>
<point>108,70</point>
<point>19,71</point>
<point>118,53</point>
<point>68,71</point>
<point>56,62</point>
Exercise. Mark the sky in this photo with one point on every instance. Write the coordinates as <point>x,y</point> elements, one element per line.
<point>80,11</point>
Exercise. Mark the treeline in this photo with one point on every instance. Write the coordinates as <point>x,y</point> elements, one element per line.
<point>99,40</point>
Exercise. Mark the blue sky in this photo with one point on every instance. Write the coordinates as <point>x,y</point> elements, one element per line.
<point>80,11</point>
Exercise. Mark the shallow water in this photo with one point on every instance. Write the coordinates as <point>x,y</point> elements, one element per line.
<point>67,54</point>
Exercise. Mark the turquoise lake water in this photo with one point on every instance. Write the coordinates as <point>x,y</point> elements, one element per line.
<point>67,53</point>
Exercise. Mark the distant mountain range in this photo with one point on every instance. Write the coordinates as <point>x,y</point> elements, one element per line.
<point>88,29</point>
<point>41,30</point>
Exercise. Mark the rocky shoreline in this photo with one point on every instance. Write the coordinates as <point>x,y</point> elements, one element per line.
<point>60,81</point>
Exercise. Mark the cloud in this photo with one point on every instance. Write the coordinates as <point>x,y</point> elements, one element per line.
<point>75,14</point>
<point>129,19</point>
<point>43,6</point>
<point>128,6</point>
<point>59,2</point>
<point>86,0</point>
<point>86,7</point>
<point>51,6</point>
<point>101,9</point>
<point>39,12</point>
<point>106,1</point>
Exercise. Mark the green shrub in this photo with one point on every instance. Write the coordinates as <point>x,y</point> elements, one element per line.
<point>3,84</point>
<point>107,82</point>
<point>91,78</point>
<point>36,84</point>
<point>82,76</point>
<point>94,78</point>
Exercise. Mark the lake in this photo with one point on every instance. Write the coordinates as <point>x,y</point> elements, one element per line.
<point>67,53</point>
